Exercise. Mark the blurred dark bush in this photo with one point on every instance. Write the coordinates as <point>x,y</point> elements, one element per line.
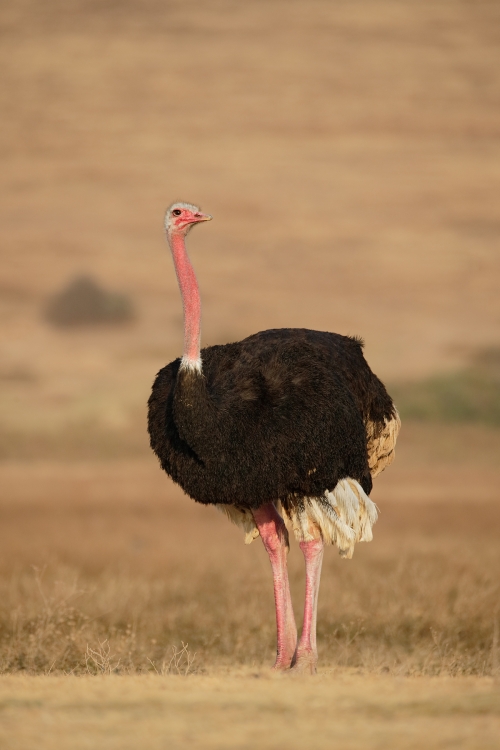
<point>85,302</point>
<point>469,395</point>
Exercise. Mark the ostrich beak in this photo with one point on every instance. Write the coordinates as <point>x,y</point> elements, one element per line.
<point>202,217</point>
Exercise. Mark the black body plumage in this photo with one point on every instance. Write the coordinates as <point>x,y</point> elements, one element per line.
<point>279,415</point>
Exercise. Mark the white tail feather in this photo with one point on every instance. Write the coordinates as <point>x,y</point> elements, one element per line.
<point>243,518</point>
<point>342,517</point>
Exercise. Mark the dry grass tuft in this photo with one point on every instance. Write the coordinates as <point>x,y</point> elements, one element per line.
<point>181,662</point>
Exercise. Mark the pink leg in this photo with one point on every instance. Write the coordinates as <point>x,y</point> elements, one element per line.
<point>307,654</point>
<point>275,538</point>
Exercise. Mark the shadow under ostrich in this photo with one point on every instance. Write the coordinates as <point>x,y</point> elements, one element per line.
<point>285,429</point>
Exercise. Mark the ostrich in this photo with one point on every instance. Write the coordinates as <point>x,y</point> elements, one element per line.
<point>282,430</point>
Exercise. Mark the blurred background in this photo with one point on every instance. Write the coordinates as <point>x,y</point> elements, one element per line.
<point>349,151</point>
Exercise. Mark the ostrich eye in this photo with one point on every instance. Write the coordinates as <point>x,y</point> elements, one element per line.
<point>176,212</point>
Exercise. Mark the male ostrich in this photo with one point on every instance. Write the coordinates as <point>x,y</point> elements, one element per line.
<point>286,428</point>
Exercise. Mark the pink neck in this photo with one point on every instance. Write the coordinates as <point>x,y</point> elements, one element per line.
<point>191,302</point>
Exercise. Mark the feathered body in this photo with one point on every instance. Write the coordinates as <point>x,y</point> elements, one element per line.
<point>279,415</point>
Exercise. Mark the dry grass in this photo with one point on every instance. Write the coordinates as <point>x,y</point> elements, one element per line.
<point>107,573</point>
<point>107,568</point>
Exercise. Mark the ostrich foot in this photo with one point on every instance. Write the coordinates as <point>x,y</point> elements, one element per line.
<point>282,665</point>
<point>305,663</point>
<point>287,657</point>
<point>287,647</point>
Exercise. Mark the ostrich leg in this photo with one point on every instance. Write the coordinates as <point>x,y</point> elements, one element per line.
<point>307,654</point>
<point>275,538</point>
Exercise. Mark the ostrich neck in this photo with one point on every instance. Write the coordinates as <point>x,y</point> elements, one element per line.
<point>191,303</point>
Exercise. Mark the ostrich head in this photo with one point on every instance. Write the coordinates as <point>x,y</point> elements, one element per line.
<point>180,217</point>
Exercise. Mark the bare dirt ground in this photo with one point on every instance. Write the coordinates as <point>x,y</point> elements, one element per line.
<point>350,154</point>
<point>248,709</point>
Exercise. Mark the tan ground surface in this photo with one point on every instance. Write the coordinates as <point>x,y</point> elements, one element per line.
<point>112,553</point>
<point>248,710</point>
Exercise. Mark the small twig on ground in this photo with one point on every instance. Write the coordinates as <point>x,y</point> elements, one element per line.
<point>99,659</point>
<point>181,662</point>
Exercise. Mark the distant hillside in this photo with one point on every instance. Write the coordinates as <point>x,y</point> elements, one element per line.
<point>469,395</point>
